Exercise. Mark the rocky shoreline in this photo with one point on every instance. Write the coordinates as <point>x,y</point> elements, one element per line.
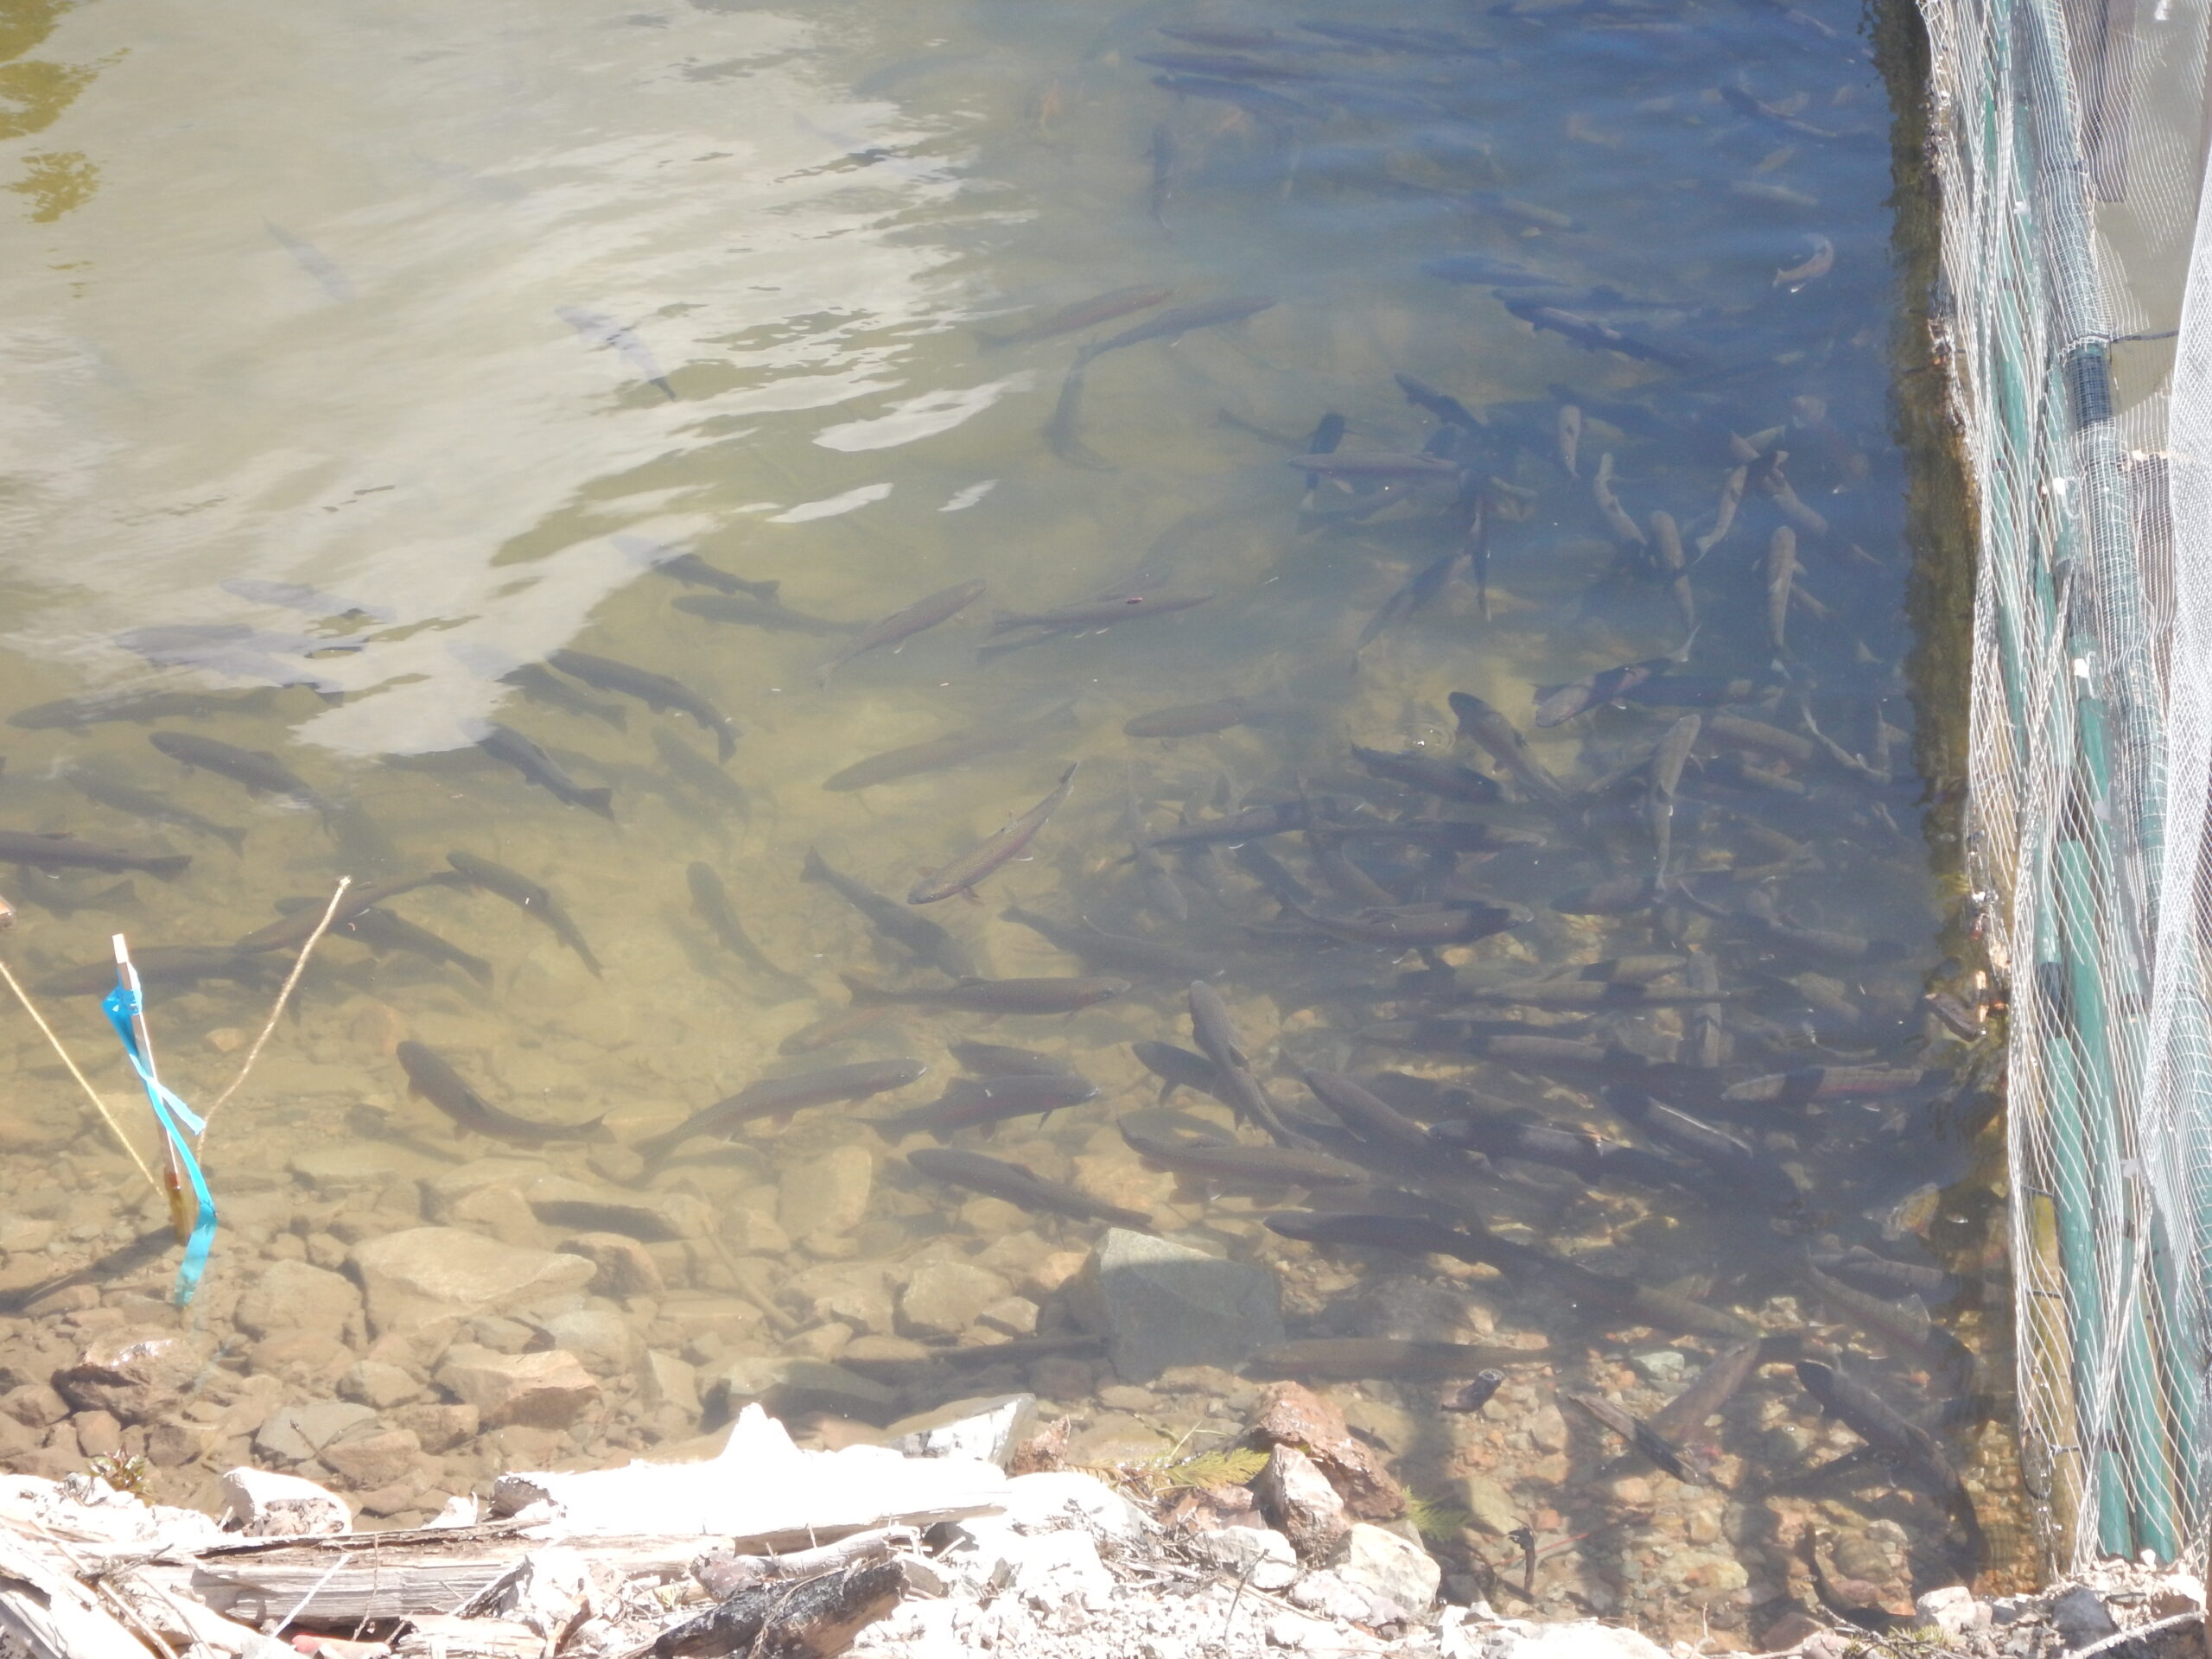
<point>404,1365</point>
<point>965,1533</point>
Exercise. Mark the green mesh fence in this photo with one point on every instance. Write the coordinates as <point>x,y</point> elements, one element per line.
<point>2070,143</point>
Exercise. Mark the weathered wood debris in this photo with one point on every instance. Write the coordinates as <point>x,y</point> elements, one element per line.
<point>767,1551</point>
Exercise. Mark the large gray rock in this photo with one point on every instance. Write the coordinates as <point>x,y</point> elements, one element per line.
<point>425,1274</point>
<point>292,1299</point>
<point>1159,1305</point>
<point>1339,1600</point>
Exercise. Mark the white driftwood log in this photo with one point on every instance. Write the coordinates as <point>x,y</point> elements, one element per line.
<point>46,1613</point>
<point>350,1578</point>
<point>761,1485</point>
<point>183,1623</point>
<point>356,1576</point>
<point>760,1497</point>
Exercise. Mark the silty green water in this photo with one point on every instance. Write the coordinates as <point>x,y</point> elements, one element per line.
<point>356,368</point>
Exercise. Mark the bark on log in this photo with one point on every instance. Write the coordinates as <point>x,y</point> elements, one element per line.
<point>395,1575</point>
<point>723,1574</point>
<point>812,1619</point>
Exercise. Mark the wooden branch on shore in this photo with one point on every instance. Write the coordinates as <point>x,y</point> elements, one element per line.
<point>809,1618</point>
<point>724,1574</point>
<point>397,1575</point>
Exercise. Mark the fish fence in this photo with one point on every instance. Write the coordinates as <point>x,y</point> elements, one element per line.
<point>2069,140</point>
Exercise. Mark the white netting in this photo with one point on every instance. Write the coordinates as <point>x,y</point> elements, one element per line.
<point>2069,141</point>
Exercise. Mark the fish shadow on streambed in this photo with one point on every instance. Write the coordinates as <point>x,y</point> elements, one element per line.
<point>431,1077</point>
<point>711,961</point>
<point>391,969</point>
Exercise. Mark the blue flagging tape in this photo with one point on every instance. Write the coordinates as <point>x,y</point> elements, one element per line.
<point>178,1123</point>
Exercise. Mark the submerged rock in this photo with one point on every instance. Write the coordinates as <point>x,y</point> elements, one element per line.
<point>372,1383</point>
<point>426,1274</point>
<point>607,1343</point>
<point>625,1268</point>
<point>786,1386</point>
<point>296,1433</point>
<point>439,1428</point>
<point>99,1433</point>
<point>945,1298</point>
<point>1490,1505</point>
<point>132,1374</point>
<point>292,1298</point>
<point>670,1382</point>
<point>380,1458</point>
<point>543,1390</point>
<point>1118,1437</point>
<point>19,1443</point>
<point>857,1293</point>
<point>1159,1303</point>
<point>827,1196</point>
<point>1013,1316</point>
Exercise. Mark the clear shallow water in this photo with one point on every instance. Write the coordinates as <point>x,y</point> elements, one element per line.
<point>462,320</point>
